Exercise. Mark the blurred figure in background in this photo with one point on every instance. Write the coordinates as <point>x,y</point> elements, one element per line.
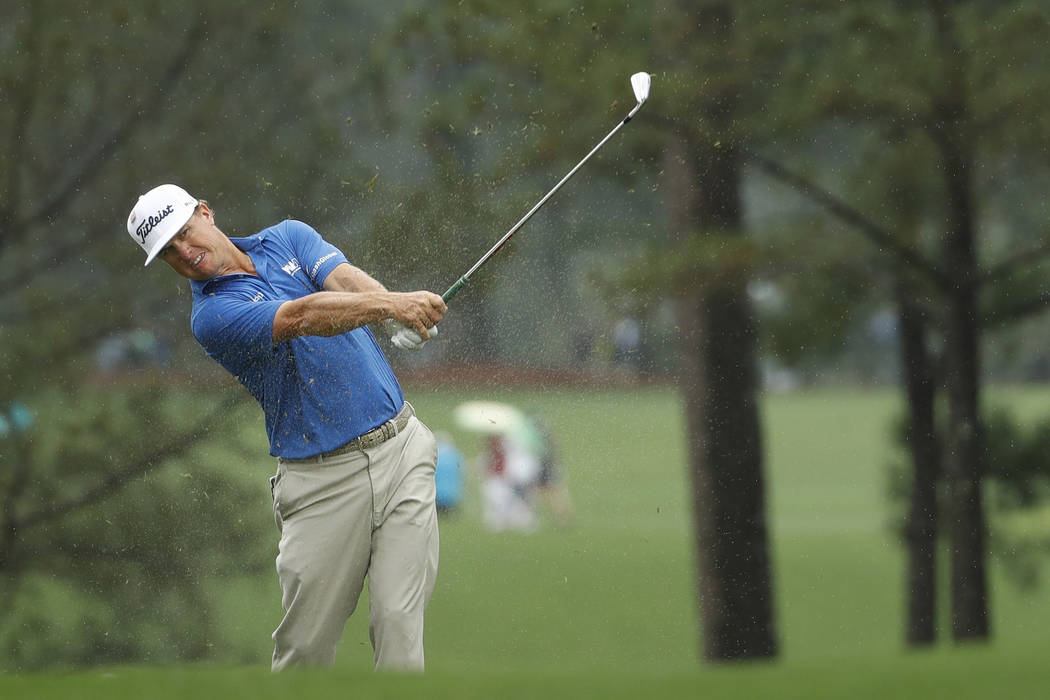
<point>627,344</point>
<point>509,475</point>
<point>521,473</point>
<point>518,467</point>
<point>553,489</point>
<point>448,475</point>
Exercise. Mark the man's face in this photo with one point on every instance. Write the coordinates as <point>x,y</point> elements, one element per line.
<point>199,251</point>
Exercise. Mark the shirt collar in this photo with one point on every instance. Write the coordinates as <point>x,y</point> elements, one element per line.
<point>248,245</point>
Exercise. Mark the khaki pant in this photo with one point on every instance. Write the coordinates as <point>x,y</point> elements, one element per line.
<point>368,512</point>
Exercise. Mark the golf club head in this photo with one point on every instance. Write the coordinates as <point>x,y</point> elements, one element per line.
<point>640,82</point>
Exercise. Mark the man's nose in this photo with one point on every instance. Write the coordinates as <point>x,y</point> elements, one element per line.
<point>182,249</point>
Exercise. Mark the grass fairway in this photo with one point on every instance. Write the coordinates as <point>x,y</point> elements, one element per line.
<point>960,674</point>
<point>606,609</point>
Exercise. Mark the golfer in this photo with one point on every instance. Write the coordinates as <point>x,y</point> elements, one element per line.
<point>285,313</point>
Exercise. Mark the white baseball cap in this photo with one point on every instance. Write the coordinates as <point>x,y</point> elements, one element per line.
<point>158,216</point>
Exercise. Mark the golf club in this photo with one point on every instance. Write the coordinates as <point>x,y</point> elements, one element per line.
<point>408,339</point>
<point>640,83</point>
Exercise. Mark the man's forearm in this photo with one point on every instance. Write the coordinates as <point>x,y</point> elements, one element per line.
<point>330,313</point>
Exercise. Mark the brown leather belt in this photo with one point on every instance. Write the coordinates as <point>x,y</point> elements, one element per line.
<point>372,438</point>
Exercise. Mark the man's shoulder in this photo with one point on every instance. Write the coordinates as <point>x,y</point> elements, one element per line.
<point>288,227</point>
<point>282,229</point>
<point>229,299</point>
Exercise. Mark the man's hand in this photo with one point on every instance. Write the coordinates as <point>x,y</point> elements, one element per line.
<point>417,311</point>
<point>415,319</point>
<point>406,338</point>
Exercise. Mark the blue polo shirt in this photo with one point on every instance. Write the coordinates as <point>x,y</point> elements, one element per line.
<point>317,393</point>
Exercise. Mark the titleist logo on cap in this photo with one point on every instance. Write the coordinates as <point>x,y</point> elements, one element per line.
<point>151,222</point>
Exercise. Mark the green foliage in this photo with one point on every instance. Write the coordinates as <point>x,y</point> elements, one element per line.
<point>1016,489</point>
<point>122,527</point>
<point>1019,495</point>
<point>861,97</point>
<point>213,97</point>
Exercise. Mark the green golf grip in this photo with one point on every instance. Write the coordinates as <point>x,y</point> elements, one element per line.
<point>454,289</point>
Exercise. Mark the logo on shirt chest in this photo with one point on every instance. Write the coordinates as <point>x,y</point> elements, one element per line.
<point>291,267</point>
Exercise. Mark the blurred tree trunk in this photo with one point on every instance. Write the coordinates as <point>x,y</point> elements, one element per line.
<point>964,459</point>
<point>720,382</point>
<point>725,445</point>
<point>920,528</point>
<point>964,464</point>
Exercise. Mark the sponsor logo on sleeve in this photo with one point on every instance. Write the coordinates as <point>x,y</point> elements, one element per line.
<point>317,266</point>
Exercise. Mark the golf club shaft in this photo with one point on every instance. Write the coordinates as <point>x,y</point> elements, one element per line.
<point>462,281</point>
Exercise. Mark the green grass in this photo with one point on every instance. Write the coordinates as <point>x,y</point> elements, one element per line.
<point>607,608</point>
<point>966,673</point>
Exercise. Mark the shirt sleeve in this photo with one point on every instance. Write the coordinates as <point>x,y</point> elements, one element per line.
<point>235,330</point>
<point>317,256</point>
